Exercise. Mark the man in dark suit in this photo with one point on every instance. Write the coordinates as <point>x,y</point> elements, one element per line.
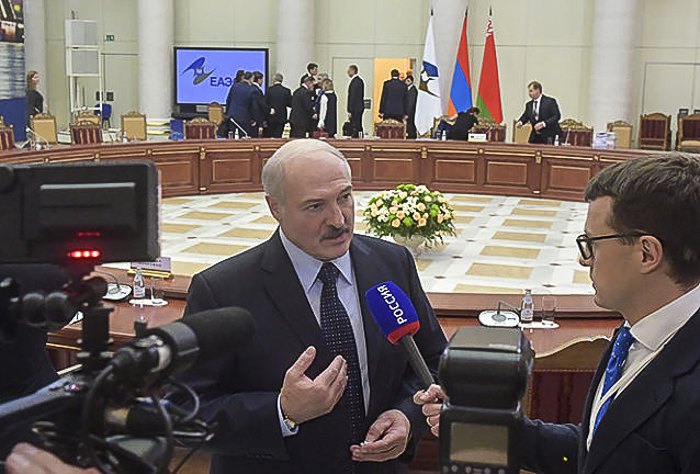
<point>303,115</point>
<point>296,399</point>
<point>278,99</point>
<point>394,98</point>
<point>239,105</point>
<point>543,114</point>
<point>642,248</point>
<point>356,100</point>
<point>260,109</point>
<point>411,101</point>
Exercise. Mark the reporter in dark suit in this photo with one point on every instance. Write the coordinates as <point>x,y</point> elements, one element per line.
<point>543,113</point>
<point>287,402</point>
<point>278,98</point>
<point>641,415</point>
<point>394,98</point>
<point>303,114</point>
<point>260,109</point>
<point>356,99</point>
<point>411,101</point>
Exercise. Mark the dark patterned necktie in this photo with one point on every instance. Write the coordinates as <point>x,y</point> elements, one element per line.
<point>613,371</point>
<point>337,332</point>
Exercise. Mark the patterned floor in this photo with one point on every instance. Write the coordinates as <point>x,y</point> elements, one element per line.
<point>503,244</point>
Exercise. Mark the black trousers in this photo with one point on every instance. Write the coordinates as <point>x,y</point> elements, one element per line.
<point>411,131</point>
<point>356,121</point>
<point>274,130</point>
<point>298,131</point>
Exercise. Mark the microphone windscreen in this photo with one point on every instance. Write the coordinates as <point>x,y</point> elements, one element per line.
<point>220,331</point>
<point>392,310</point>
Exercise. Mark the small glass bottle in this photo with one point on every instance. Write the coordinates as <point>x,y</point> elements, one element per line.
<point>443,136</point>
<point>139,285</point>
<point>527,308</point>
<point>556,140</point>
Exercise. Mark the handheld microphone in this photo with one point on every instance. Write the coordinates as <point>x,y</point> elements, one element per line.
<point>398,320</point>
<point>175,347</point>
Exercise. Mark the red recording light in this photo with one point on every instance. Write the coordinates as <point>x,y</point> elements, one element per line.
<point>78,254</point>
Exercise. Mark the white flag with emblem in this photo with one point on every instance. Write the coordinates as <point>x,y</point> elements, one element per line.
<point>428,105</point>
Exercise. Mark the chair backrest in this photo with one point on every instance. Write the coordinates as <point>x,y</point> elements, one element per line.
<point>623,132</point>
<point>7,137</point>
<point>85,133</point>
<point>436,122</point>
<point>495,132</point>
<point>688,136</point>
<point>654,131</point>
<point>561,378</point>
<point>522,134</point>
<point>390,129</point>
<point>575,133</point>
<point>215,112</point>
<point>200,129</point>
<point>87,116</point>
<point>134,126</point>
<point>44,125</point>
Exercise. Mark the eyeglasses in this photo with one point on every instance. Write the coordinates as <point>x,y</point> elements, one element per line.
<point>585,243</point>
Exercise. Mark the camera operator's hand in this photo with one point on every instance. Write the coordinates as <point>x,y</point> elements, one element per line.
<point>303,399</point>
<point>431,401</point>
<point>25,458</point>
<point>386,438</point>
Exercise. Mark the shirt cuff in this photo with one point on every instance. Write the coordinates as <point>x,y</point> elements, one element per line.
<point>285,429</point>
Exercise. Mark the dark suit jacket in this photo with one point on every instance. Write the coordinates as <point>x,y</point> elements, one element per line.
<point>261,111</point>
<point>303,102</point>
<point>394,99</point>
<point>279,98</point>
<point>549,113</point>
<point>411,101</point>
<point>242,389</point>
<point>356,95</point>
<point>464,123</point>
<point>239,104</point>
<point>652,427</point>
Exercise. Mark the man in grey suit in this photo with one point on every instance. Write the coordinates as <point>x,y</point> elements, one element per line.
<point>318,389</point>
<point>642,249</point>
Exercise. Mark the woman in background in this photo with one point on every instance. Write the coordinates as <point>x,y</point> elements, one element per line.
<point>35,101</point>
<point>328,109</point>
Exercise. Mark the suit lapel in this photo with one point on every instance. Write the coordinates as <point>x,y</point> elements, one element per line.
<point>286,293</point>
<point>646,394</point>
<point>366,276</point>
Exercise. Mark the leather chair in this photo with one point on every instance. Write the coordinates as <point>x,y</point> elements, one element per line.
<point>688,135</point>
<point>88,116</point>
<point>575,133</point>
<point>390,129</point>
<point>7,137</point>
<point>495,132</point>
<point>654,131</point>
<point>44,126</point>
<point>215,112</point>
<point>134,126</point>
<point>623,131</point>
<point>86,133</point>
<point>521,135</point>
<point>200,129</point>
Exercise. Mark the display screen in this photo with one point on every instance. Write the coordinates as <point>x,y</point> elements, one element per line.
<point>472,443</point>
<point>204,75</point>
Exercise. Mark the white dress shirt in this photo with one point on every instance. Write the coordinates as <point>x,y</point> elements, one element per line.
<point>651,334</point>
<point>307,268</point>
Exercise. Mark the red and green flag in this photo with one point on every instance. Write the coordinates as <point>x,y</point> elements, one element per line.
<point>489,96</point>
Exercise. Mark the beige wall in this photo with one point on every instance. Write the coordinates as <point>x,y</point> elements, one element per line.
<point>547,40</point>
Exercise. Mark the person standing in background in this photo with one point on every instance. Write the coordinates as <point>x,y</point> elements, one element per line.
<point>356,100</point>
<point>239,104</point>
<point>543,113</point>
<point>394,99</point>
<point>328,109</point>
<point>278,98</point>
<point>260,109</point>
<point>411,100</point>
<point>35,101</point>
<point>302,117</point>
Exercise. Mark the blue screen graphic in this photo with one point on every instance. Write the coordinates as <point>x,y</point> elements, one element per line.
<point>206,75</point>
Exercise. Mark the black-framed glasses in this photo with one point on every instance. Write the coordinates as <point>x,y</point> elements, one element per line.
<point>585,243</point>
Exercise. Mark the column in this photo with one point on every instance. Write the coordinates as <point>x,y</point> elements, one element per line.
<point>296,39</point>
<point>612,56</point>
<point>155,37</point>
<point>35,42</point>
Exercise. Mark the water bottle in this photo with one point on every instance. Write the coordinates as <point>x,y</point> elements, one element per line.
<point>236,135</point>
<point>443,137</point>
<point>139,285</point>
<point>556,140</point>
<point>527,308</point>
